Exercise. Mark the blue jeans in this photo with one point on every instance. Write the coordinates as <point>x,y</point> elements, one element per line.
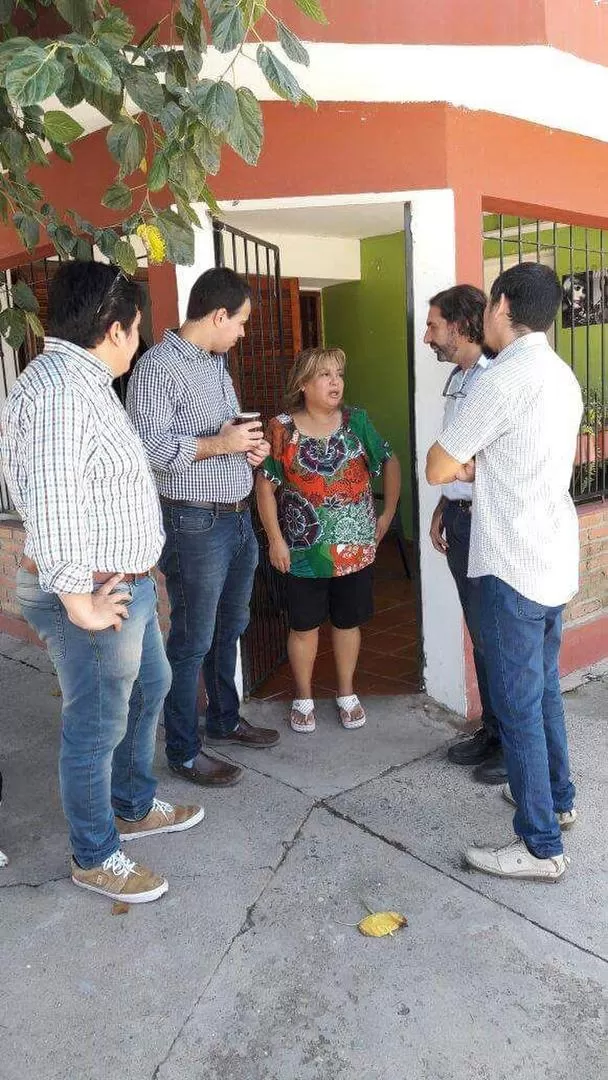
<point>113,685</point>
<point>457,523</point>
<point>521,646</point>
<point>209,563</point>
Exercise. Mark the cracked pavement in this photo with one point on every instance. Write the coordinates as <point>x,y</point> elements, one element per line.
<point>251,967</point>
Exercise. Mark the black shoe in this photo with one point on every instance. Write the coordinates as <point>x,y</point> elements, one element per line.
<point>474,749</point>
<point>492,771</point>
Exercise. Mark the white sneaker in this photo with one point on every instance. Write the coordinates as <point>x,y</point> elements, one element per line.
<point>566,818</point>
<point>515,861</point>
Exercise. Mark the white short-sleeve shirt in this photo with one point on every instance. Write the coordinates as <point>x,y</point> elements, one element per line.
<point>520,422</point>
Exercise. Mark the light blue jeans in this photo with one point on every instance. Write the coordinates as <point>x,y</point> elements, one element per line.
<point>521,641</point>
<point>113,686</point>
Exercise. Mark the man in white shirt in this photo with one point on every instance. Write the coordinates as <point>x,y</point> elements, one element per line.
<point>520,425</point>
<point>454,331</point>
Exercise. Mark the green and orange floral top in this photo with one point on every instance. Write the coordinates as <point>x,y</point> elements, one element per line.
<point>325,499</point>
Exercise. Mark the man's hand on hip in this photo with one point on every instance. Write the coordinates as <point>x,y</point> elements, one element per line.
<point>99,610</point>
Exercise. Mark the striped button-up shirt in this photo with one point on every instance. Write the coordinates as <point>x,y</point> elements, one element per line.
<point>521,423</point>
<point>177,393</point>
<point>461,384</point>
<point>78,472</point>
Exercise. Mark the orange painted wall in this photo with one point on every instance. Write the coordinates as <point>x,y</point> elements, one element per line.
<point>536,171</point>
<point>576,26</point>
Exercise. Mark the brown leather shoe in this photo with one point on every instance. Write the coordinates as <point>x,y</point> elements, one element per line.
<point>209,772</point>
<point>246,734</point>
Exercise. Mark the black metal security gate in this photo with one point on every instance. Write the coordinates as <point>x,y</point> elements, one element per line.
<point>258,366</point>
<point>579,256</point>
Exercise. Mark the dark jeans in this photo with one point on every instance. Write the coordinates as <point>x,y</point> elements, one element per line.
<point>521,648</point>
<point>113,686</point>
<point>209,562</point>
<point>457,523</point>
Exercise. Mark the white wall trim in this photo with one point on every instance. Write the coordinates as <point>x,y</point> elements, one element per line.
<point>434,268</point>
<point>531,82</point>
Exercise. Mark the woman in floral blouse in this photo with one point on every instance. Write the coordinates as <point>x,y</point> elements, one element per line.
<point>321,526</point>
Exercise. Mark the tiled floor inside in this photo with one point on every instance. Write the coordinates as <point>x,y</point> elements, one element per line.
<point>388,663</point>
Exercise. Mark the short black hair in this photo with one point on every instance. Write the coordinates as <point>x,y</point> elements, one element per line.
<point>534,294</point>
<point>463,305</point>
<point>217,288</point>
<point>85,298</point>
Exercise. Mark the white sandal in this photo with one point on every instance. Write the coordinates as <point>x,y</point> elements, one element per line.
<point>304,723</point>
<point>354,717</point>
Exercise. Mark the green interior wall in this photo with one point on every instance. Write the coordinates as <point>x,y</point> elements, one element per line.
<point>367,318</point>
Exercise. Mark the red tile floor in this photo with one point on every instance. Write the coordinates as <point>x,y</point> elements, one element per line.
<point>388,663</point>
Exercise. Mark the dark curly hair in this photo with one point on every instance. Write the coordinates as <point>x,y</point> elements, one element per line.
<point>463,305</point>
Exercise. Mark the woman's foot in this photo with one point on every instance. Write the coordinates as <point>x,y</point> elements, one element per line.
<point>351,712</point>
<point>302,716</point>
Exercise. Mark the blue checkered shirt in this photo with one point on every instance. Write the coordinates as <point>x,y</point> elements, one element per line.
<point>176,394</point>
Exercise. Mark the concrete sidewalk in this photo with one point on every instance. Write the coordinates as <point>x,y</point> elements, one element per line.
<point>251,968</point>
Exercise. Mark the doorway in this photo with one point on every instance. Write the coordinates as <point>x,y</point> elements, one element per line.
<point>347,290</point>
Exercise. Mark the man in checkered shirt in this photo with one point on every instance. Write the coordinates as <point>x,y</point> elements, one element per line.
<point>182,402</point>
<point>80,480</point>
<point>516,435</point>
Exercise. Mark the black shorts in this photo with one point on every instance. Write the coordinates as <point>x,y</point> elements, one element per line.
<point>347,600</point>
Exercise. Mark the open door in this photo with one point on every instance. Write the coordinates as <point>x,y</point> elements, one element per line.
<point>259,367</point>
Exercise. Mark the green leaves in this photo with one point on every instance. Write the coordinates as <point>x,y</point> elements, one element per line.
<point>13,327</point>
<point>114,29</point>
<point>246,131</point>
<point>178,237</point>
<point>118,197</point>
<point>28,229</point>
<point>313,9</point>
<point>33,75</point>
<point>227,25</point>
<point>23,296</point>
<point>125,256</point>
<point>176,140</point>
<point>59,127</point>
<point>292,45</point>
<point>127,143</point>
<point>219,107</point>
<point>144,88</point>
<point>78,13</point>
<point>278,76</point>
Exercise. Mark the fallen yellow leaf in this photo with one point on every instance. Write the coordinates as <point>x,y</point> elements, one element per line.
<point>381,923</point>
<point>120,908</point>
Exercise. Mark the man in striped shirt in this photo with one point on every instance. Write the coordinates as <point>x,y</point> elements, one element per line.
<point>182,402</point>
<point>520,424</point>
<point>80,479</point>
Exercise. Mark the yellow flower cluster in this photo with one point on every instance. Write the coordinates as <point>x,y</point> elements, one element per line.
<point>154,243</point>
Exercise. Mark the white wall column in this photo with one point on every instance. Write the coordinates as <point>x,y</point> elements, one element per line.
<point>204,259</point>
<point>434,268</point>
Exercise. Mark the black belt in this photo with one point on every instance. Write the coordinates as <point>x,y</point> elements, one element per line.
<point>462,504</point>
<point>216,507</point>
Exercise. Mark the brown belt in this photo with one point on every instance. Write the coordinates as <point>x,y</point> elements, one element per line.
<point>217,507</point>
<point>99,576</point>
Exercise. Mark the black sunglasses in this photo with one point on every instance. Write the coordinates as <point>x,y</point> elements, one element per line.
<point>461,391</point>
<point>120,275</point>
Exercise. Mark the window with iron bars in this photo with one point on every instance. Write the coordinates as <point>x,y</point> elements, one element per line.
<point>579,257</point>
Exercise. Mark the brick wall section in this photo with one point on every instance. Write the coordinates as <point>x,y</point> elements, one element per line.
<point>11,550</point>
<point>592,597</point>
